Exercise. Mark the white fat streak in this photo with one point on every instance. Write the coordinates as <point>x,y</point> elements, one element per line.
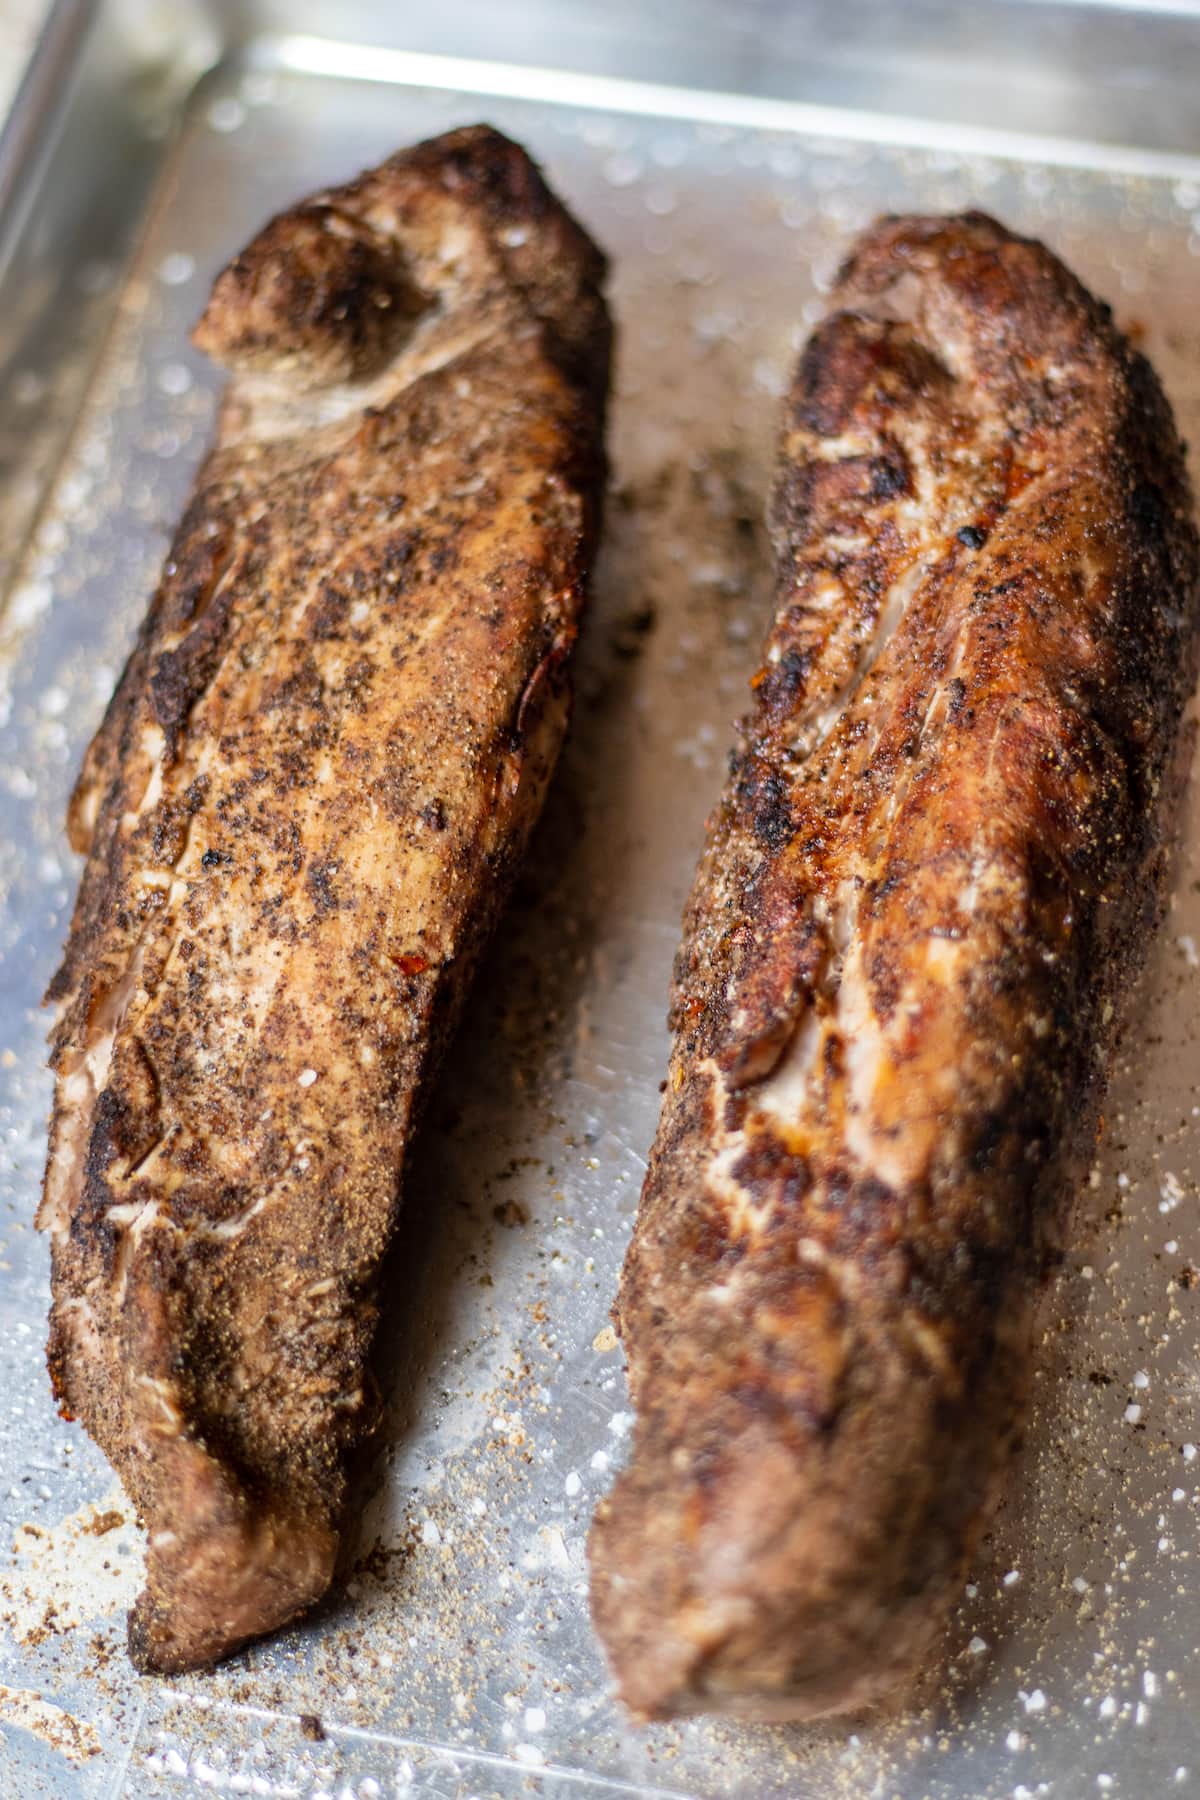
<point>110,1015</point>
<point>827,592</point>
<point>864,1056</point>
<point>845,543</point>
<point>746,1219</point>
<point>152,743</point>
<point>171,641</point>
<point>64,1169</point>
<point>913,513</point>
<point>891,613</point>
<point>787,1093</point>
<point>136,1218</point>
<point>154,786</point>
<point>785,1089</point>
<point>78,1316</point>
<point>89,810</point>
<point>78,1088</point>
<point>896,603</point>
<point>87,1074</point>
<point>804,445</point>
<point>942,954</point>
<point>161,1394</point>
<point>132,1213</point>
<point>728,1146</point>
<point>232,1228</point>
<point>838,915</point>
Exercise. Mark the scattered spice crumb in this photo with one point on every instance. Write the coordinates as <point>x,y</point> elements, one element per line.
<point>102,1523</point>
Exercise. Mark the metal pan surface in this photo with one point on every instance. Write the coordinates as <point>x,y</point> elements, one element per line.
<point>457,1660</point>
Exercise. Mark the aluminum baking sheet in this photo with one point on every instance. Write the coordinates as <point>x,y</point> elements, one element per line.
<point>456,1660</point>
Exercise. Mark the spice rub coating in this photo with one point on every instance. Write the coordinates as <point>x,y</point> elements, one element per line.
<point>934,867</point>
<point>300,816</point>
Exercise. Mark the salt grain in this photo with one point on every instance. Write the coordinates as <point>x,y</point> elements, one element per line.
<point>174,378</point>
<point>306,1077</point>
<point>1171,1191</point>
<point>226,115</point>
<point>176,268</point>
